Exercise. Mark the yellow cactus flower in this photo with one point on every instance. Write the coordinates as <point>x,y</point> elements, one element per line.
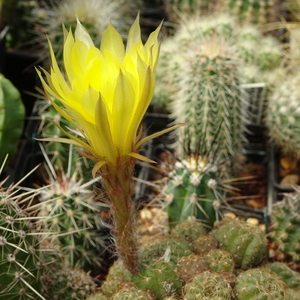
<point>107,91</point>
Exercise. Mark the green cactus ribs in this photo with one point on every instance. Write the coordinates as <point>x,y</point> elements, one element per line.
<point>12,113</point>
<point>285,221</point>
<point>195,189</point>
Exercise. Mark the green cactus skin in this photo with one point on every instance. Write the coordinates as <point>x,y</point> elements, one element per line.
<point>194,190</point>
<point>22,258</point>
<point>283,115</point>
<point>189,266</point>
<point>219,260</point>
<point>289,277</point>
<point>118,269</point>
<point>245,242</point>
<point>285,220</point>
<point>132,294</point>
<point>160,247</point>
<point>251,11</point>
<point>189,229</point>
<point>160,278</point>
<point>67,209</point>
<point>208,286</point>
<point>12,114</point>
<point>111,285</point>
<point>259,283</point>
<point>68,283</point>
<point>203,244</point>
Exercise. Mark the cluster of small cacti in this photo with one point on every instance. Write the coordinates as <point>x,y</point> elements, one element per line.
<point>195,190</point>
<point>12,114</point>
<point>285,226</point>
<point>227,263</point>
<point>33,266</point>
<point>284,115</point>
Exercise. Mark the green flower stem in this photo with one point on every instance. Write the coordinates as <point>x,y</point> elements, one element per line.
<point>117,181</point>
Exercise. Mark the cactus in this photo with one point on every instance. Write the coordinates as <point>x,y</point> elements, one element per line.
<point>132,294</point>
<point>283,116</point>
<point>12,113</point>
<point>259,283</point>
<point>23,256</point>
<point>189,229</point>
<point>68,209</point>
<point>289,277</point>
<point>173,247</point>
<point>251,11</point>
<point>245,242</point>
<point>160,278</point>
<point>204,244</point>
<point>285,220</point>
<point>68,283</point>
<point>195,189</point>
<point>190,266</point>
<point>214,107</point>
<point>209,286</point>
<point>97,296</point>
<point>219,260</point>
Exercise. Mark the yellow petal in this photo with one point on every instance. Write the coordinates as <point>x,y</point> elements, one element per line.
<point>134,34</point>
<point>112,42</point>
<point>82,34</point>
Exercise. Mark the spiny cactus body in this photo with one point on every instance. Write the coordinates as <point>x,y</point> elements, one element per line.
<point>209,286</point>
<point>195,189</point>
<point>68,283</point>
<point>245,242</point>
<point>290,278</point>
<point>23,257</point>
<point>283,116</point>
<point>259,283</point>
<point>285,222</point>
<point>68,209</point>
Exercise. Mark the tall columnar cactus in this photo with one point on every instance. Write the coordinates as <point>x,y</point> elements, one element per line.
<point>244,241</point>
<point>12,113</point>
<point>285,221</point>
<point>23,256</point>
<point>283,115</point>
<point>194,189</point>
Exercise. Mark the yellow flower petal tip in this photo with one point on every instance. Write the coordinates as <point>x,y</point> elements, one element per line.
<point>104,91</point>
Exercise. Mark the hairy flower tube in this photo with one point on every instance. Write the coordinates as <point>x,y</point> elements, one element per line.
<point>105,96</point>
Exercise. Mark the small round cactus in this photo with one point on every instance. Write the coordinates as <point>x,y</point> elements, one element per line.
<point>259,283</point>
<point>132,294</point>
<point>160,278</point>
<point>209,286</point>
<point>245,242</point>
<point>189,266</point>
<point>68,283</point>
<point>189,229</point>
<point>285,221</point>
<point>219,260</point>
<point>290,278</point>
<point>204,244</point>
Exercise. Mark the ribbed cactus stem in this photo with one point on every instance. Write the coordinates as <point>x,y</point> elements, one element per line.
<point>118,184</point>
